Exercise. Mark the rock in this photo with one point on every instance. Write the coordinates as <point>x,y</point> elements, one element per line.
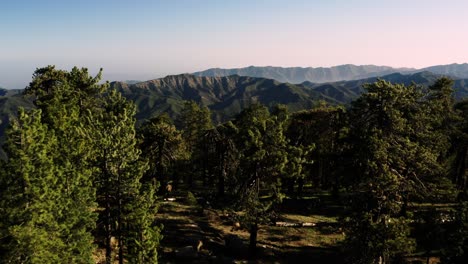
<point>187,252</point>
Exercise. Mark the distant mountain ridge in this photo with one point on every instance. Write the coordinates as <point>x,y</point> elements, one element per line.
<point>298,75</point>
<point>346,91</point>
<point>454,70</point>
<point>226,96</point>
<point>347,72</point>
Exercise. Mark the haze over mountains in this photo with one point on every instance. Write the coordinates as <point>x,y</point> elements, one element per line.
<point>332,74</point>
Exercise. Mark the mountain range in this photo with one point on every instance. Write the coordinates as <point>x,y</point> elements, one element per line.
<point>225,96</point>
<point>332,74</point>
<point>228,95</point>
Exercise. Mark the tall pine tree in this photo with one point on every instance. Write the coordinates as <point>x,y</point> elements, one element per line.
<point>128,209</point>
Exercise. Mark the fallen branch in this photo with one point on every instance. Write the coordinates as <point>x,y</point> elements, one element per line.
<point>291,224</point>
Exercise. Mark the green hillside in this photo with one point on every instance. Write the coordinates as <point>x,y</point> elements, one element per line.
<point>225,96</point>
<point>347,91</point>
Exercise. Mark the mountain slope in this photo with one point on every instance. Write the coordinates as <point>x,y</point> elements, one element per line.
<point>10,92</point>
<point>455,70</point>
<point>9,105</point>
<point>299,75</point>
<point>225,96</point>
<point>346,91</point>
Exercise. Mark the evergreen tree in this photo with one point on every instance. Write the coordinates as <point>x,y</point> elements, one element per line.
<point>195,120</point>
<point>162,145</point>
<point>31,201</point>
<point>62,97</point>
<point>399,136</point>
<point>316,134</point>
<point>459,151</point>
<point>383,151</point>
<point>262,145</point>
<point>128,209</point>
<point>92,143</point>
<point>222,156</point>
<point>456,249</point>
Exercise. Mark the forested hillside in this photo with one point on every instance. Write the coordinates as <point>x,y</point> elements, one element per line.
<point>225,96</point>
<point>382,179</point>
<point>346,91</point>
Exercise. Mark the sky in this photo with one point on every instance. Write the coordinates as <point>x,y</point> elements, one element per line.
<point>143,39</point>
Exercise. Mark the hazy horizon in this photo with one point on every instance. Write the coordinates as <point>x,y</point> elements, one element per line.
<point>143,40</point>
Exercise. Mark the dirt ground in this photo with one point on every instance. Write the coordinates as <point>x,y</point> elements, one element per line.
<point>219,240</point>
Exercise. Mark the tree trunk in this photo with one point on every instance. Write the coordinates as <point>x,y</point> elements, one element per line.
<point>190,179</point>
<point>290,186</point>
<point>253,240</point>
<point>404,207</point>
<point>336,186</point>
<point>300,186</point>
<point>221,182</point>
<point>175,180</point>
<point>108,232</point>
<point>320,173</point>
<point>119,222</point>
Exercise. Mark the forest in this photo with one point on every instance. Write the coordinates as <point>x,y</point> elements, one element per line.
<point>84,181</point>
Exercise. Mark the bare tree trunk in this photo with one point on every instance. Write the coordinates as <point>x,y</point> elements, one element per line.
<point>253,240</point>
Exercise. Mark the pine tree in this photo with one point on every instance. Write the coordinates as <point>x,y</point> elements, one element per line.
<point>162,145</point>
<point>194,121</point>
<point>127,208</point>
<point>61,96</point>
<point>221,155</point>
<point>381,121</point>
<point>31,201</point>
<point>262,146</point>
<point>314,134</point>
<point>399,136</point>
<point>81,140</point>
<point>459,164</point>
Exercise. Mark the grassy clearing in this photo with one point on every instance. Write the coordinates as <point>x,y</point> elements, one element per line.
<point>187,225</point>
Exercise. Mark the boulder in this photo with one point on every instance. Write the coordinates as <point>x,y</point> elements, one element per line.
<point>187,252</point>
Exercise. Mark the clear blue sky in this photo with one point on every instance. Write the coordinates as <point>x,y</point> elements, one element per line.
<point>142,39</point>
